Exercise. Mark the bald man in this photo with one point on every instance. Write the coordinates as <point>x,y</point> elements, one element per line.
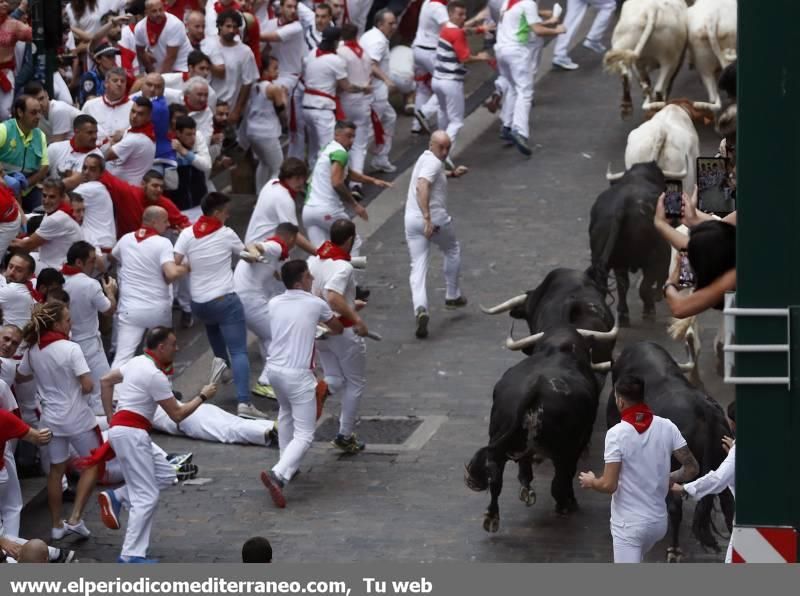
<point>426,221</point>
<point>161,41</point>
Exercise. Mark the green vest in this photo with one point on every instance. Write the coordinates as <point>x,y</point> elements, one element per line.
<point>15,156</point>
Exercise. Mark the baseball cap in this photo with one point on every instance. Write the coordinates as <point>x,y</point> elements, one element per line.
<point>105,49</point>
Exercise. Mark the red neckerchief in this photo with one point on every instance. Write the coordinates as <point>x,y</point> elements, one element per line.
<point>206,225</point>
<point>167,369</point>
<point>282,244</point>
<point>66,208</point>
<point>444,2</point>
<point>291,192</point>
<point>154,30</point>
<point>354,45</point>
<point>511,4</point>
<point>67,269</point>
<point>49,337</point>
<point>218,8</point>
<point>322,52</point>
<point>119,102</point>
<point>77,149</point>
<point>186,76</point>
<point>37,297</point>
<point>194,109</point>
<point>144,233</point>
<point>147,130</point>
<point>639,416</point>
<point>328,250</point>
<point>132,27</point>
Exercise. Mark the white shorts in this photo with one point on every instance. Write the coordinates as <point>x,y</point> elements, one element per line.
<point>83,443</point>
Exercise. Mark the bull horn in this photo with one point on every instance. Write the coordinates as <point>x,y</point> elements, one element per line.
<point>610,176</point>
<point>600,335</point>
<point>652,105</point>
<point>689,365</point>
<point>505,306</point>
<point>525,342</point>
<point>602,366</point>
<point>704,105</point>
<point>678,175</point>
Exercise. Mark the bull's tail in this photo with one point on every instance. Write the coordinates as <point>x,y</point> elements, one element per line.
<point>622,60</point>
<point>476,472</point>
<point>725,56</point>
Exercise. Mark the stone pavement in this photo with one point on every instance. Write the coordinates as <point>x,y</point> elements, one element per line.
<point>517,219</point>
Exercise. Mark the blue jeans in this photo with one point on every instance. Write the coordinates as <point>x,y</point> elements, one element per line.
<point>227,333</point>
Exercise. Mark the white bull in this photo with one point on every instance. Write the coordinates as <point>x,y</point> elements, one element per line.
<point>712,42</point>
<point>650,35</point>
<point>670,139</point>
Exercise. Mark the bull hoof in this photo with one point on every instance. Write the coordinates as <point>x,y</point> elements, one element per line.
<point>527,495</point>
<point>564,509</point>
<point>626,111</point>
<point>674,554</point>
<point>623,320</point>
<point>649,314</point>
<point>491,522</point>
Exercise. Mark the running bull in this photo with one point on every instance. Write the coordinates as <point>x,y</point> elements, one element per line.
<point>623,239</point>
<point>543,407</point>
<point>564,297</point>
<point>700,419</point>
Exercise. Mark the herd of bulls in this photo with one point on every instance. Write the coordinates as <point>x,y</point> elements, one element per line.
<point>545,406</point>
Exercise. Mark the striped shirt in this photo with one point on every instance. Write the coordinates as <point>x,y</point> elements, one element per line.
<point>451,52</point>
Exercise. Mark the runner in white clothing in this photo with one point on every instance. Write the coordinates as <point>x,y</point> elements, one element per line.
<point>99,226</point>
<point>432,16</point>
<point>637,473</point>
<point>66,157</point>
<point>576,9</point>
<point>211,423</point>
<point>111,110</point>
<point>131,156</point>
<point>57,116</point>
<point>161,41</point>
<point>87,298</point>
<point>17,296</point>
<point>144,385</point>
<point>343,357</point>
<point>427,221</point>
<point>62,380</point>
<point>241,71</point>
<point>255,283</point>
<point>294,316</point>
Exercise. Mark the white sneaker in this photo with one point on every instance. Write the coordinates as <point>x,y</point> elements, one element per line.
<point>80,529</point>
<point>565,63</point>
<point>595,46</point>
<point>383,165</point>
<point>250,412</point>
<point>58,533</point>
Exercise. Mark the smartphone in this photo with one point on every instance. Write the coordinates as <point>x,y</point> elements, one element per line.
<point>673,199</point>
<point>686,277</point>
<point>714,191</point>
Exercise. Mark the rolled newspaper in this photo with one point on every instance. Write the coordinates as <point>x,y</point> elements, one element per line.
<point>358,262</point>
<point>251,258</point>
<point>218,366</point>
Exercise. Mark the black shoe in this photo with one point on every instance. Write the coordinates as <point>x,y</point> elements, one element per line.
<point>272,438</point>
<point>422,323</point>
<point>521,143</point>
<point>349,444</point>
<point>358,195</point>
<point>186,320</point>
<point>362,293</point>
<point>455,302</point>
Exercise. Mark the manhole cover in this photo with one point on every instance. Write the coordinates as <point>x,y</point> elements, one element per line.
<point>385,431</point>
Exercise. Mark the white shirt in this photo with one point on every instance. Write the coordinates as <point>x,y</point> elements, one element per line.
<point>59,119</point>
<point>99,226</point>
<point>210,260</point>
<point>359,70</point>
<point>8,370</point>
<point>110,119</point>
<point>60,232</point>
<point>16,302</point>
<point>262,119</point>
<point>289,51</point>
<point>274,206</point>
<point>172,36</point>
<point>432,16</point>
<point>514,26</point>
<point>644,474</point>
<point>143,386</point>
<point>717,480</point>
<point>293,318</point>
<point>63,158</point>
<point>320,190</point>
<point>7,400</point>
<point>141,277</point>
<point>240,69</point>
<point>55,370</point>
<point>334,275</point>
<point>431,168</point>
<point>210,47</point>
<point>86,299</point>
<point>358,10</point>
<point>89,21</point>
<point>376,46</point>
<point>259,278</point>
<point>322,73</point>
<point>135,154</point>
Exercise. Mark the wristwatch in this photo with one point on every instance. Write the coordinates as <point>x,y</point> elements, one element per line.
<point>203,398</point>
<point>667,285</point>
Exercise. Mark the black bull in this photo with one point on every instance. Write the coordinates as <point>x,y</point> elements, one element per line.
<point>543,407</point>
<point>623,239</point>
<point>699,418</point>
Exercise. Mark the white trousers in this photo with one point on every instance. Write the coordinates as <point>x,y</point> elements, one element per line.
<point>297,416</point>
<point>357,107</point>
<point>113,473</point>
<point>344,362</point>
<point>450,95</point>
<point>8,231</point>
<point>132,323</point>
<point>419,249</point>
<point>514,64</point>
<point>424,100</point>
<point>256,315</point>
<point>95,356</point>
<point>633,541</point>
<point>319,125</point>
<point>10,494</point>
<point>269,154</point>
<point>388,118</point>
<point>576,9</point>
<point>146,474</point>
<point>318,221</point>
<point>211,423</point>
